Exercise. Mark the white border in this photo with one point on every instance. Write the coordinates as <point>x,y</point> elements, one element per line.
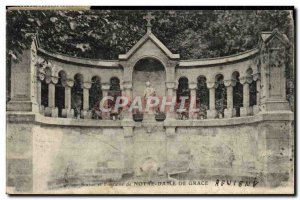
<point>109,3</point>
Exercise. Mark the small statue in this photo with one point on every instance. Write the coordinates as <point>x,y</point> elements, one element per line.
<point>149,92</point>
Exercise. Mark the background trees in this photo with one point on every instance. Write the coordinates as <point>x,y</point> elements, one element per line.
<point>107,33</point>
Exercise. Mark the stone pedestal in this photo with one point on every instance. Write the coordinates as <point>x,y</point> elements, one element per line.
<point>275,106</point>
<point>51,112</point>
<point>68,113</point>
<point>42,110</point>
<point>149,117</point>
<point>86,114</point>
<point>20,85</point>
<point>256,109</point>
<point>211,114</point>
<point>245,111</point>
<point>229,113</point>
<point>54,112</point>
<point>273,74</point>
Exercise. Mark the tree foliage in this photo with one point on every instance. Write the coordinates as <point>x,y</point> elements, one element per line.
<point>106,33</point>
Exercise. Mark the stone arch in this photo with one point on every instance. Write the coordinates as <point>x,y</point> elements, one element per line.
<point>202,93</point>
<point>115,84</point>
<point>220,95</point>
<point>237,92</point>
<point>153,57</point>
<point>95,96</point>
<point>60,91</point>
<point>56,70</point>
<point>77,95</point>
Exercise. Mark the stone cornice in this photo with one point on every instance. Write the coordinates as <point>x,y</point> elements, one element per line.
<point>15,117</point>
<point>218,61</point>
<point>81,61</point>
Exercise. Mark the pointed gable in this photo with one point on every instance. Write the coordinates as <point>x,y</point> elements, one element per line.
<point>149,36</point>
<point>267,37</point>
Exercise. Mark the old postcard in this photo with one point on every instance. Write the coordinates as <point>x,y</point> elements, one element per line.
<point>150,101</point>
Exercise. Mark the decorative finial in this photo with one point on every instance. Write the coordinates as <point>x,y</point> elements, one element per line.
<point>148,18</point>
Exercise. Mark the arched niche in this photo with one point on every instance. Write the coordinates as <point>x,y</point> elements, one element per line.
<point>152,70</point>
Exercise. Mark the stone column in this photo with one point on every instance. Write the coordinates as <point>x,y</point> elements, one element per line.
<point>35,86</point>
<point>127,92</point>
<point>51,110</point>
<point>39,92</point>
<point>105,88</point>
<point>245,110</point>
<point>229,112</point>
<point>68,111</point>
<point>51,95</point>
<point>86,113</point>
<point>192,113</point>
<point>39,96</point>
<point>170,86</point>
<point>211,113</point>
<point>256,77</point>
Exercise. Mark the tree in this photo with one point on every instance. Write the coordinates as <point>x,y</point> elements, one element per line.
<point>107,33</point>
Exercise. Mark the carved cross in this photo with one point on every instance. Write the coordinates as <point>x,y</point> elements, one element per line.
<point>148,18</point>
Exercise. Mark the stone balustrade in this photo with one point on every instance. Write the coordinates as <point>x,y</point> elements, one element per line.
<point>51,109</point>
<point>227,80</point>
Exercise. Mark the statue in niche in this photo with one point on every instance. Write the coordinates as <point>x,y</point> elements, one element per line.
<point>149,92</point>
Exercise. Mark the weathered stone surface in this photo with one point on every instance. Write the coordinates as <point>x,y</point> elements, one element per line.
<point>45,152</point>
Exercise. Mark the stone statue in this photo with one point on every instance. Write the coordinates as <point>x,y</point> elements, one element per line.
<point>149,91</point>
